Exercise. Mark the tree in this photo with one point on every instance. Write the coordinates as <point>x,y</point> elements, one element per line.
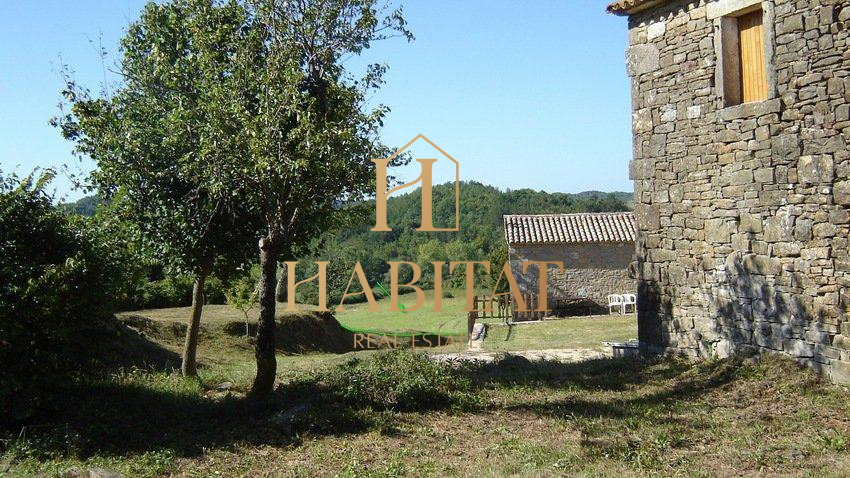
<point>314,137</point>
<point>242,296</point>
<point>166,140</point>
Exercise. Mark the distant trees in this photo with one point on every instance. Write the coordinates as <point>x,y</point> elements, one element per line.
<point>481,235</point>
<point>167,140</point>
<point>86,206</point>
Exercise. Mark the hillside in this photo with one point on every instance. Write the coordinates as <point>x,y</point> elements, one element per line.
<point>480,235</point>
<point>85,206</point>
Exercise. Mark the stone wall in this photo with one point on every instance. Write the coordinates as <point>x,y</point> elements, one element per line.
<point>743,211</point>
<point>590,270</point>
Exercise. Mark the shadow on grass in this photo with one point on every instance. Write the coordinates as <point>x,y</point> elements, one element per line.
<point>109,417</point>
<point>596,374</point>
<point>113,419</point>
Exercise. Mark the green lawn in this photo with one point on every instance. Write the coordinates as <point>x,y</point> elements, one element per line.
<point>576,332</point>
<point>451,320</point>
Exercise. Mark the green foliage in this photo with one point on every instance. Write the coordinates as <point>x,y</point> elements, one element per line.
<point>481,236</point>
<point>243,296</point>
<point>498,256</point>
<point>399,380</point>
<point>170,292</point>
<point>314,131</point>
<point>165,139</point>
<point>86,206</point>
<point>59,277</point>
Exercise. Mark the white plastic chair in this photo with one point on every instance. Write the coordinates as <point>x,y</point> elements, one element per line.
<point>629,300</point>
<point>615,300</point>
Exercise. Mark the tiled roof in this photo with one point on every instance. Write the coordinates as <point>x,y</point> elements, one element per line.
<point>569,228</point>
<point>628,7</point>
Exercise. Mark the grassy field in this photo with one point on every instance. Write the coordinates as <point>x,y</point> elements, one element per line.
<point>598,418</point>
<point>451,320</point>
<point>576,332</point>
<point>395,414</point>
<point>356,316</point>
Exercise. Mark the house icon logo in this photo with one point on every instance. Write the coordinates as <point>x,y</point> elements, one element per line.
<point>426,178</point>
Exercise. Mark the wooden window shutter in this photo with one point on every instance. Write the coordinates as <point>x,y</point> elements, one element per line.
<point>751,49</point>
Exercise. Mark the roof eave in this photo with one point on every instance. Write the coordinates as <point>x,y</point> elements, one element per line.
<point>570,243</point>
<point>619,8</point>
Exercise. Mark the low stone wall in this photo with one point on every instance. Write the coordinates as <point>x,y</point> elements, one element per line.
<point>590,270</point>
<point>743,211</point>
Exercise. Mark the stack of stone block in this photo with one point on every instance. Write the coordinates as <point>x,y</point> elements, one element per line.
<point>743,212</point>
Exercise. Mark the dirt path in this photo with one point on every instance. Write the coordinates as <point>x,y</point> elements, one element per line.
<point>556,355</point>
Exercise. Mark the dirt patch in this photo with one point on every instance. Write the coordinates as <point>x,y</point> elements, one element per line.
<point>311,332</point>
<point>163,331</point>
<point>553,355</point>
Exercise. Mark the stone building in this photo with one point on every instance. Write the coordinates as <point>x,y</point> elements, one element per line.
<point>596,249</point>
<point>741,123</point>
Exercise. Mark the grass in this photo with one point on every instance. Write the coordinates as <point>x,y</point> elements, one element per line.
<point>598,418</point>
<point>451,320</point>
<point>379,414</point>
<point>576,332</point>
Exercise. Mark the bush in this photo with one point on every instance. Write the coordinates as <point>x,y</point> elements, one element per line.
<point>447,294</point>
<point>172,292</point>
<point>400,380</point>
<point>57,279</point>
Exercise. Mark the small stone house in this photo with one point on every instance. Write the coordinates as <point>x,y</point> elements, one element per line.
<point>741,124</point>
<point>596,249</point>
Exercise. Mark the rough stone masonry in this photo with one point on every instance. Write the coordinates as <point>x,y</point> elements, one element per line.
<point>743,211</point>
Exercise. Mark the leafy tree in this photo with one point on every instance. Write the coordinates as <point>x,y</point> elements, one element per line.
<point>242,296</point>
<point>169,135</point>
<point>314,136</point>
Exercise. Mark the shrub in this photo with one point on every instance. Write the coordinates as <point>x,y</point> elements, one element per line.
<point>56,280</point>
<point>400,380</point>
<point>447,294</point>
<point>171,292</point>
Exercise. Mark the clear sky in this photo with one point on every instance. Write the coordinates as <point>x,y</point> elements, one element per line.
<point>522,94</point>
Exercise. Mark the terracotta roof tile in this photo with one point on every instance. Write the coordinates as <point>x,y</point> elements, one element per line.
<point>523,229</point>
<point>628,7</point>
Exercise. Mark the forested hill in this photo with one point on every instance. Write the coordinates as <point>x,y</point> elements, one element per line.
<point>480,236</point>
<point>481,211</point>
<point>84,207</point>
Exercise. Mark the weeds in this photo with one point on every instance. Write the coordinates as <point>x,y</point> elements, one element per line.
<point>401,380</point>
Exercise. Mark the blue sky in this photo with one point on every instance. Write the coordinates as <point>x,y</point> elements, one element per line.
<point>522,94</point>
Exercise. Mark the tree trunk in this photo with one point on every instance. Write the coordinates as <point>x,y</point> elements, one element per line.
<point>265,346</point>
<point>190,348</point>
<point>281,285</point>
